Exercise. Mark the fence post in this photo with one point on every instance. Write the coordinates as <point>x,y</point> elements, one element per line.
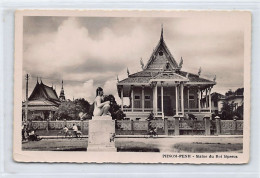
<point>65,122</point>
<point>207,125</point>
<point>81,125</point>
<point>47,125</point>
<point>235,123</point>
<point>176,125</point>
<point>217,125</point>
<point>132,126</point>
<point>166,126</point>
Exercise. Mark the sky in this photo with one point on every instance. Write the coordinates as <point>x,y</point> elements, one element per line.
<point>88,52</point>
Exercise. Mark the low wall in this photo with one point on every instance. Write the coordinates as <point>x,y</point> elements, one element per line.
<point>164,127</point>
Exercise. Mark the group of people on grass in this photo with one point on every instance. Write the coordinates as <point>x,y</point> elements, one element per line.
<point>29,134</point>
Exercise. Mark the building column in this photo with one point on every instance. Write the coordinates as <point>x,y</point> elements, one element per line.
<point>132,98</point>
<point>155,99</point>
<point>162,100</point>
<point>50,115</point>
<point>206,98</point>
<point>199,93</point>
<point>177,100</point>
<point>182,99</point>
<point>143,98</point>
<point>210,100</point>
<point>122,99</point>
<point>188,94</point>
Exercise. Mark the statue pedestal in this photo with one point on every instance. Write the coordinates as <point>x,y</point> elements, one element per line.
<point>101,134</point>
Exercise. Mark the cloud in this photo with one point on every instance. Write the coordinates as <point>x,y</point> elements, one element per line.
<point>87,52</point>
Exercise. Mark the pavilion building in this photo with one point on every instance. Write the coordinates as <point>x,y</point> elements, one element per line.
<point>42,103</point>
<point>164,89</point>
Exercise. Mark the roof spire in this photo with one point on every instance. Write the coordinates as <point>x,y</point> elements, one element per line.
<point>41,80</point>
<point>161,32</point>
<point>37,80</point>
<point>62,95</point>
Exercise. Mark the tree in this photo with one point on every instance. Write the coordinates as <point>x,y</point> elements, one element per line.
<point>114,107</point>
<point>66,110</point>
<point>228,111</point>
<point>82,105</point>
<point>70,110</point>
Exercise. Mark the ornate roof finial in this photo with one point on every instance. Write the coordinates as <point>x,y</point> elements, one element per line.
<point>117,78</point>
<point>41,80</point>
<point>37,80</point>
<point>180,64</point>
<point>128,73</point>
<point>187,75</point>
<point>62,84</point>
<point>142,63</point>
<point>199,71</point>
<point>214,79</point>
<point>162,32</point>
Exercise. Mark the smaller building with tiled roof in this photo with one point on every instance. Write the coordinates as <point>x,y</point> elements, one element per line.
<point>164,89</point>
<point>42,103</point>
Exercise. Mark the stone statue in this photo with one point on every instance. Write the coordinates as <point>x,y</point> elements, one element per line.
<point>100,108</point>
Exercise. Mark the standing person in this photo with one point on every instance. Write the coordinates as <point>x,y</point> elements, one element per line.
<point>75,130</point>
<point>100,108</point>
<point>65,130</point>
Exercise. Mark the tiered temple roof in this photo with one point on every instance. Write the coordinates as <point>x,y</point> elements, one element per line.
<point>163,66</point>
<point>43,97</point>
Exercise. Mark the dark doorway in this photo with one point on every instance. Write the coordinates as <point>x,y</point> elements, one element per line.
<point>167,107</point>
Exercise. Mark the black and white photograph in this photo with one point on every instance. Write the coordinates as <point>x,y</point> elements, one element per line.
<point>132,86</point>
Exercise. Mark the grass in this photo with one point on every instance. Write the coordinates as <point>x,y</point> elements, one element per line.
<point>136,145</point>
<point>132,146</point>
<point>198,147</point>
<point>77,144</point>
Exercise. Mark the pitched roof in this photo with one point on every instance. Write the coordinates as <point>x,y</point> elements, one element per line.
<point>163,67</point>
<point>42,92</point>
<point>145,76</point>
<point>160,56</point>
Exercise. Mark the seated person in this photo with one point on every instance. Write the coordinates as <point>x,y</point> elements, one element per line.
<point>33,136</point>
<point>100,108</point>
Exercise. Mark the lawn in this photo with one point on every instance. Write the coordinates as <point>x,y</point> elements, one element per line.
<point>198,147</point>
<point>137,145</point>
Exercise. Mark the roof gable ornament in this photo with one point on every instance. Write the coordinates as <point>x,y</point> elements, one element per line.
<point>199,71</point>
<point>181,63</point>
<point>161,32</point>
<point>117,78</point>
<point>142,63</point>
<point>128,73</point>
<point>214,79</point>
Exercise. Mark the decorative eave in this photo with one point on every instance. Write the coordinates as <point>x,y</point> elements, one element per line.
<point>201,83</point>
